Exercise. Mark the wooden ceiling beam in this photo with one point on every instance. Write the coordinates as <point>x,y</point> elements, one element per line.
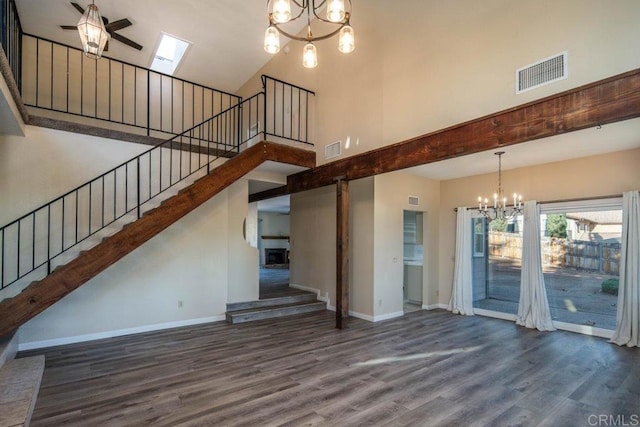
<point>606,101</point>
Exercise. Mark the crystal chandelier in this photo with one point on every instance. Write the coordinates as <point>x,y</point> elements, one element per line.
<point>93,33</point>
<point>337,13</point>
<point>501,210</point>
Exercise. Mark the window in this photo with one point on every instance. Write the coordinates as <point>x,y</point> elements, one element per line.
<point>496,274</point>
<point>580,261</point>
<point>169,53</point>
<point>580,248</point>
<point>478,237</point>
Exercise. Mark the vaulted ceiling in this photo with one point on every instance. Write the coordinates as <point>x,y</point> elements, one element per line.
<point>226,34</point>
<point>227,50</point>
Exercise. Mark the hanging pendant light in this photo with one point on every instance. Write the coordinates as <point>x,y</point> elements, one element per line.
<point>338,13</point>
<point>346,40</point>
<point>281,11</point>
<point>272,40</point>
<point>501,209</point>
<point>309,56</point>
<point>92,32</point>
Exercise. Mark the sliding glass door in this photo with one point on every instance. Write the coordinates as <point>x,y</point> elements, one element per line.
<point>497,261</point>
<point>580,243</point>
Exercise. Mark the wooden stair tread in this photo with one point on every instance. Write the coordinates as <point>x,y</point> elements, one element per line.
<point>254,314</point>
<point>275,307</point>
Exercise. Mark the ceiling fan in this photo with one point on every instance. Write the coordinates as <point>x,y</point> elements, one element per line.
<point>111,28</point>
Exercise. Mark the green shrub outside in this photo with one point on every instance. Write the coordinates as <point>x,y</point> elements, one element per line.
<point>610,286</point>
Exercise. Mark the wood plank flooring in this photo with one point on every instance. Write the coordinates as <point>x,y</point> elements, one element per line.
<point>426,368</point>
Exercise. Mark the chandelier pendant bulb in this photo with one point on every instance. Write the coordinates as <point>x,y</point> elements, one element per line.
<point>501,209</point>
<point>281,12</point>
<point>93,34</point>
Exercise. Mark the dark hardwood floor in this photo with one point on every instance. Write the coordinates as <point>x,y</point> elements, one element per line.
<point>427,368</point>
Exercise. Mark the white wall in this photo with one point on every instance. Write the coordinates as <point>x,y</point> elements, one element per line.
<point>47,163</point>
<point>313,240</point>
<point>186,263</point>
<point>242,257</point>
<point>376,238</point>
<point>428,65</point>
<point>392,191</point>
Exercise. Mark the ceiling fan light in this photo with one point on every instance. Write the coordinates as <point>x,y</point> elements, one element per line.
<point>272,40</point>
<point>309,56</point>
<point>92,32</point>
<point>336,11</point>
<point>281,11</point>
<point>347,40</point>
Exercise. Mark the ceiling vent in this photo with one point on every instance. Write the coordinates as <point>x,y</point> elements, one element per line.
<point>414,201</point>
<point>333,150</point>
<point>542,72</point>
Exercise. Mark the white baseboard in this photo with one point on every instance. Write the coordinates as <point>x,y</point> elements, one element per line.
<point>366,317</point>
<point>116,333</point>
<point>435,306</point>
<point>309,289</point>
<point>388,316</point>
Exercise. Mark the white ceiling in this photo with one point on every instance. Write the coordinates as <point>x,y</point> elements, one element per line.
<point>227,35</point>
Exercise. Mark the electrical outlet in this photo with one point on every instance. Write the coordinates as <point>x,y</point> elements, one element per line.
<point>179,303</point>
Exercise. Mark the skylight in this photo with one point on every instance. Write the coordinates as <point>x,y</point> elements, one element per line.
<point>169,54</point>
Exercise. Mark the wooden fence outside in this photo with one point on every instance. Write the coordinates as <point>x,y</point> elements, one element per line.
<point>582,255</point>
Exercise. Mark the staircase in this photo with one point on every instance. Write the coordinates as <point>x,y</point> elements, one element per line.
<point>41,294</point>
<point>303,302</point>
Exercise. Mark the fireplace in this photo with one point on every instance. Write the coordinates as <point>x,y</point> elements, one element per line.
<point>275,256</point>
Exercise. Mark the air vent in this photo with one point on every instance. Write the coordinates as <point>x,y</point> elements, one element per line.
<point>543,72</point>
<point>414,201</point>
<point>333,150</point>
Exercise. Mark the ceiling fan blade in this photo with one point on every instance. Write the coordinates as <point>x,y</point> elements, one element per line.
<point>78,7</point>
<point>126,41</point>
<point>69,27</point>
<point>118,25</point>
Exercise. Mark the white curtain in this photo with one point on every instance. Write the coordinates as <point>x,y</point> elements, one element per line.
<point>462,294</point>
<point>628,317</point>
<point>533,308</point>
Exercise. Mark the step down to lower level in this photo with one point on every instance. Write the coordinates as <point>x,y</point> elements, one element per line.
<point>273,307</point>
<point>270,302</point>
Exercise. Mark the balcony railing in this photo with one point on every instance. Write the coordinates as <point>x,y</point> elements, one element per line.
<point>11,37</point>
<point>60,78</point>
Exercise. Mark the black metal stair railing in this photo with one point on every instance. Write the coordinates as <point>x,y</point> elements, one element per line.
<point>59,78</point>
<point>35,240</point>
<point>39,241</point>
<point>11,37</point>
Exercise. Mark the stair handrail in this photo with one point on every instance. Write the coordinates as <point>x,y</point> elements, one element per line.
<point>223,149</point>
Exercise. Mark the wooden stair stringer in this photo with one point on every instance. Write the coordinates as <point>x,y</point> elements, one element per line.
<point>40,295</point>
